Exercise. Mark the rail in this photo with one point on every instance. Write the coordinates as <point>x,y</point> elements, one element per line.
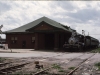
<point>12,68</point>
<point>40,72</point>
<point>71,72</point>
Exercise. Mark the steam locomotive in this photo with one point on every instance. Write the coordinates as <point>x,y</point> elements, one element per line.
<point>80,42</point>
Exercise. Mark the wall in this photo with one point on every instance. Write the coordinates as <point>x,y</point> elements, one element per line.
<point>20,39</point>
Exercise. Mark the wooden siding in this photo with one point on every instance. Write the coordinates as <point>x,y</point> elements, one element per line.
<point>19,41</point>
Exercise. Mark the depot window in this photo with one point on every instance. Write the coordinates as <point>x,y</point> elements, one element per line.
<point>14,40</point>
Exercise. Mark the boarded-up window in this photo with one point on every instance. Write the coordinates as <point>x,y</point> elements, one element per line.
<point>13,40</point>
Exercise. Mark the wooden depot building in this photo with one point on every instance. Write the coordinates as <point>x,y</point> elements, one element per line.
<point>42,33</point>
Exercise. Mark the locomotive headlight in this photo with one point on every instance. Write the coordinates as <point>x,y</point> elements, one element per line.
<point>71,40</point>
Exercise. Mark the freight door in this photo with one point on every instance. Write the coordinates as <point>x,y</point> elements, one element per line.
<point>49,41</point>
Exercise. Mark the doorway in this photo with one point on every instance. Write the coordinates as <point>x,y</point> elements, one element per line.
<point>49,41</point>
<point>23,44</point>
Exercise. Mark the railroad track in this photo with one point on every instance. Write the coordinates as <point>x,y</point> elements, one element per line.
<point>69,73</point>
<point>7,70</point>
<point>3,64</point>
<point>11,69</point>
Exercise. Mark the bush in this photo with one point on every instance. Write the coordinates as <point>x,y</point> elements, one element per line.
<point>98,65</point>
<point>96,50</point>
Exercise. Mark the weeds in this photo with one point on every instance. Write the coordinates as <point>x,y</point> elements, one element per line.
<point>71,68</point>
<point>20,73</point>
<point>2,59</point>
<point>58,67</point>
<point>96,50</point>
<point>98,65</point>
<point>61,70</point>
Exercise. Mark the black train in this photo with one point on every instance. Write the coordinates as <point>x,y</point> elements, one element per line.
<point>80,42</point>
<point>93,43</point>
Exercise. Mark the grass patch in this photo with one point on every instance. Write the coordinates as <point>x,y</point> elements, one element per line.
<point>71,68</point>
<point>98,65</point>
<point>20,73</point>
<point>61,70</point>
<point>2,59</point>
<point>56,66</point>
<point>96,50</point>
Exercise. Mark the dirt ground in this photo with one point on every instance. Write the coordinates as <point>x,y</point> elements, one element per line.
<point>61,62</point>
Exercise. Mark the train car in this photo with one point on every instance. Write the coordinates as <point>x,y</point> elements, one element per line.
<point>94,43</point>
<point>87,42</point>
<point>78,42</point>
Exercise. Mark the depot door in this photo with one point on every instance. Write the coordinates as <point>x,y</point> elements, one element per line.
<point>49,41</point>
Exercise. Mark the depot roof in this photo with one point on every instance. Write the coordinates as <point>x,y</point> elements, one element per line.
<point>36,22</point>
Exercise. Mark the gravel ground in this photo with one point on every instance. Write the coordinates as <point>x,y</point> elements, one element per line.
<point>87,69</point>
<point>64,61</point>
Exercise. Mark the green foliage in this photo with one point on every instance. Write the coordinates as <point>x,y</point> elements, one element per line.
<point>27,74</point>
<point>56,66</point>
<point>98,65</point>
<point>2,59</point>
<point>71,68</point>
<point>20,73</point>
<point>61,70</point>
<point>96,50</point>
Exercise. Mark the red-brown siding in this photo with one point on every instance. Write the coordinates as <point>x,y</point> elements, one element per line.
<point>44,27</point>
<point>55,40</point>
<point>20,39</point>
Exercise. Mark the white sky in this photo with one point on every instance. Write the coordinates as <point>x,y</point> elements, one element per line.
<point>79,15</point>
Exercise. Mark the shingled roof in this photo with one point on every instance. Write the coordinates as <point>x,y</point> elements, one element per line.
<point>36,22</point>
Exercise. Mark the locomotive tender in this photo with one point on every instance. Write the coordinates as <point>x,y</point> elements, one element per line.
<point>80,42</point>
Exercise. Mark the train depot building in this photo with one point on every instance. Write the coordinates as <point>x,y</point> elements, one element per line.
<point>42,33</point>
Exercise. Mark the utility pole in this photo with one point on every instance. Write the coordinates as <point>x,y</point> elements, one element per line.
<point>83,32</point>
<point>88,33</point>
<point>0,29</point>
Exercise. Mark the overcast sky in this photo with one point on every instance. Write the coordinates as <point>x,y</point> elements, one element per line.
<point>79,15</point>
